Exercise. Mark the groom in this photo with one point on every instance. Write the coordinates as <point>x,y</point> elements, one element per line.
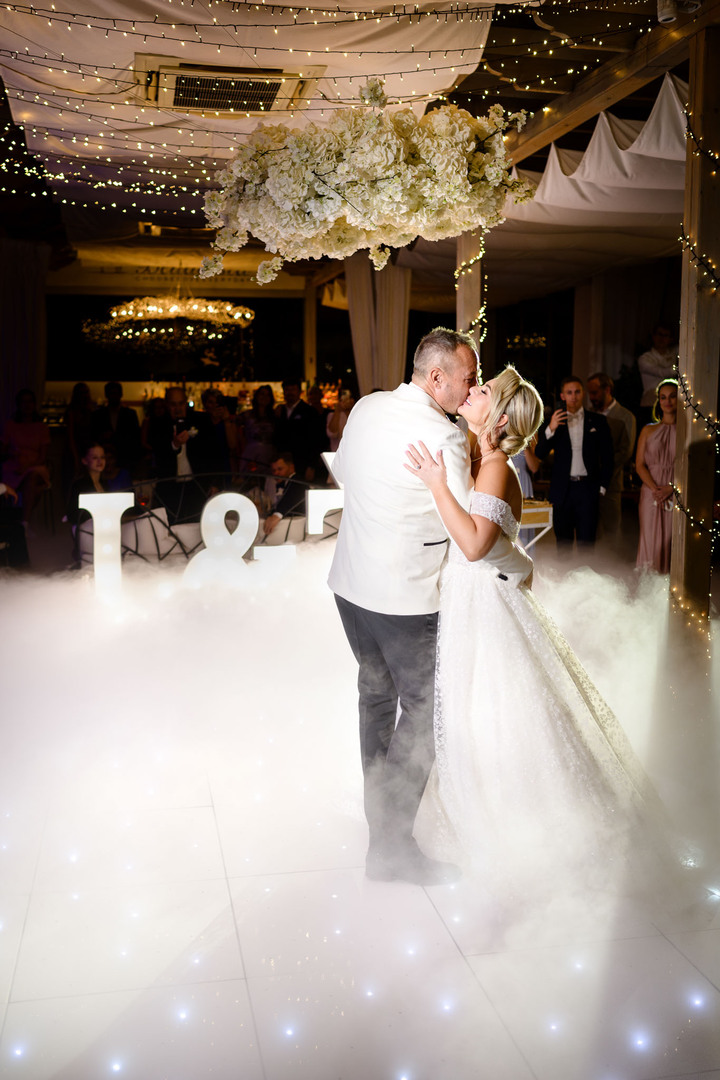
<point>384,575</point>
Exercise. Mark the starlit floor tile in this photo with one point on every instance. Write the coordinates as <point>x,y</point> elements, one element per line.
<point>13,911</point>
<point>117,939</point>
<point>297,835</point>
<point>633,1010</point>
<point>183,1031</point>
<point>432,1024</point>
<point>702,949</point>
<point>339,922</point>
<point>21,831</point>
<point>86,851</point>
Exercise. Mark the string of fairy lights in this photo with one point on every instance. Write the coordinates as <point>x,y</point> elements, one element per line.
<point>707,272</point>
<point>479,320</point>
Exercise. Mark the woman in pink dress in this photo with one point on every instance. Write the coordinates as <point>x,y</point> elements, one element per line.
<point>25,443</point>
<point>654,463</point>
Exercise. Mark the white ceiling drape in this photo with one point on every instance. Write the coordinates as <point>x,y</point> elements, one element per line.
<point>628,169</point>
<point>618,203</point>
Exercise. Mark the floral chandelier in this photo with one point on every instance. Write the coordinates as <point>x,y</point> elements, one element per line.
<point>369,178</point>
<point>168,322</point>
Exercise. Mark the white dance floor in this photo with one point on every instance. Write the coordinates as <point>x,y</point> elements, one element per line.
<point>182,891</point>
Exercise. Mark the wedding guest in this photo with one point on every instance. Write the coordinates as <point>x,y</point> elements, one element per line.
<point>224,442</point>
<point>285,492</point>
<point>115,476</point>
<point>338,418</point>
<point>582,466</point>
<point>655,465</point>
<point>13,541</point>
<point>657,363</point>
<point>91,480</point>
<point>297,431</point>
<point>78,426</point>
<point>622,425</point>
<point>117,424</point>
<point>24,446</point>
<point>155,410</point>
<point>256,430</point>
<point>526,465</point>
<point>182,448</point>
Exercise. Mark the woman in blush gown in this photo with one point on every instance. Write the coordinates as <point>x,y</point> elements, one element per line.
<point>534,774</point>
<point>655,465</point>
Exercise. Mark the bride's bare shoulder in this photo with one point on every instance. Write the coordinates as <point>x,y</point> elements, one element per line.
<point>497,477</point>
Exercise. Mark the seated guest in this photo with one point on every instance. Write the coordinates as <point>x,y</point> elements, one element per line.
<point>91,481</point>
<point>115,477</point>
<point>286,493</point>
<point>25,442</point>
<point>12,533</point>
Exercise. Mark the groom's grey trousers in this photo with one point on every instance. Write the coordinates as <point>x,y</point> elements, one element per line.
<point>396,656</point>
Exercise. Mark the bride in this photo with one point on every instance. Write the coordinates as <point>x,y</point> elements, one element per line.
<point>534,774</point>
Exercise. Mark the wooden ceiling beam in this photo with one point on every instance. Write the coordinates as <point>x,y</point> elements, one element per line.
<point>657,52</point>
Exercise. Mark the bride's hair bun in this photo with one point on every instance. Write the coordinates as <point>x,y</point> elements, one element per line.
<point>520,402</point>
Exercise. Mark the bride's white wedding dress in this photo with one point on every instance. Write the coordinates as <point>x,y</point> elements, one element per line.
<point>535,777</point>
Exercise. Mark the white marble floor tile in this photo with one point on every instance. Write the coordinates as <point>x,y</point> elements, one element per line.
<point>702,948</point>
<point>13,910</point>
<point>434,1024</point>
<point>627,1010</point>
<point>86,851</point>
<point>147,778</point>
<point>299,833</point>
<point>184,1032</point>
<point>339,922</point>
<point>118,939</point>
<point>21,831</point>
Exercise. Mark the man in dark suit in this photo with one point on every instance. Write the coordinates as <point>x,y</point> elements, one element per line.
<point>286,492</point>
<point>297,431</point>
<point>182,445</point>
<point>117,424</point>
<point>582,467</point>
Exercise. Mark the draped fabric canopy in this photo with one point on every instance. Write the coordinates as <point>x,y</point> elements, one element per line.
<point>629,169</point>
<point>618,203</point>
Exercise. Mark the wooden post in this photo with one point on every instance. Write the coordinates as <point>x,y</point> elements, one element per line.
<point>310,332</point>
<point>469,296</point>
<point>690,568</point>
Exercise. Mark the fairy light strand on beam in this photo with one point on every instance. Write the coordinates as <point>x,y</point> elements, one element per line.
<point>711,424</point>
<point>702,262</point>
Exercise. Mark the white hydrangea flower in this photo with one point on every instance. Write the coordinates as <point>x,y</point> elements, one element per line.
<point>371,180</point>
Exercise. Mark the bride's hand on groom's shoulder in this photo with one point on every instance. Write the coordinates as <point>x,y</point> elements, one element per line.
<point>421,462</point>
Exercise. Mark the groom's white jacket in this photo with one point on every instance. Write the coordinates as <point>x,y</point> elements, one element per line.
<point>392,542</point>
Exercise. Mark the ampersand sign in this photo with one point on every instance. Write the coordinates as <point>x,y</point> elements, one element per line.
<point>222,563</point>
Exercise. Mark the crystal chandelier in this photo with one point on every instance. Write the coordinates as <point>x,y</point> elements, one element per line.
<point>171,323</point>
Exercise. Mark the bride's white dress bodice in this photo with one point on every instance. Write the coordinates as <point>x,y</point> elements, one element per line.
<point>504,558</point>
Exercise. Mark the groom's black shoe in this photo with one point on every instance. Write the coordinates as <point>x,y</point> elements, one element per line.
<point>407,863</point>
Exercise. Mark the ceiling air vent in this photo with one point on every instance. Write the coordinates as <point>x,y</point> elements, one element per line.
<point>170,83</point>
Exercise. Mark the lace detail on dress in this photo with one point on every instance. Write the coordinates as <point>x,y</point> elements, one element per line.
<point>497,510</point>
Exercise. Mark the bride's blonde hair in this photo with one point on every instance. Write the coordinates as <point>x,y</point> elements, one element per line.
<point>520,401</point>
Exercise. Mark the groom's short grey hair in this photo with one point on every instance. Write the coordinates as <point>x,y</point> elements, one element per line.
<point>438,348</point>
